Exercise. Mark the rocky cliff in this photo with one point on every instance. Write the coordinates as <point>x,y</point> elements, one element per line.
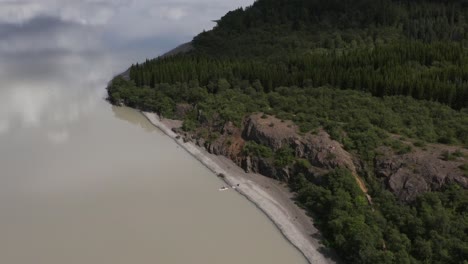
<point>318,149</point>
<point>422,170</point>
<point>406,175</point>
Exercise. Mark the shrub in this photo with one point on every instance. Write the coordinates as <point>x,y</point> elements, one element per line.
<point>419,144</point>
<point>284,157</point>
<point>254,149</point>
<point>189,125</point>
<point>303,164</point>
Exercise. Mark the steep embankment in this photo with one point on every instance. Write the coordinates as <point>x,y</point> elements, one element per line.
<point>349,75</point>
<point>269,196</point>
<point>408,175</point>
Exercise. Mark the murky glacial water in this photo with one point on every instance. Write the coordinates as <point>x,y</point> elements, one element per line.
<point>119,191</point>
<point>84,182</point>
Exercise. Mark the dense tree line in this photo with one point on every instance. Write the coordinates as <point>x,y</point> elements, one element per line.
<point>435,72</point>
<point>320,23</point>
<point>361,70</point>
<point>413,48</point>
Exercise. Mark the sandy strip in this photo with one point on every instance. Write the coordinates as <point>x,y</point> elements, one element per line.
<point>272,197</point>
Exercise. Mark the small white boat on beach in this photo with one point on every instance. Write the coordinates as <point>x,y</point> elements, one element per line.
<point>224,188</point>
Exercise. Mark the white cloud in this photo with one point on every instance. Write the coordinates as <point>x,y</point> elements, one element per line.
<point>70,38</point>
<point>4,126</point>
<point>58,137</point>
<point>56,56</point>
<point>167,12</point>
<point>19,12</point>
<point>88,14</point>
<point>27,104</point>
<point>82,12</point>
<point>66,88</point>
<point>130,18</point>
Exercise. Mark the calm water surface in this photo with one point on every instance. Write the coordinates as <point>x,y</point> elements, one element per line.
<point>84,182</point>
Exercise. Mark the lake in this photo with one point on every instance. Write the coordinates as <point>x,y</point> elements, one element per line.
<point>82,181</point>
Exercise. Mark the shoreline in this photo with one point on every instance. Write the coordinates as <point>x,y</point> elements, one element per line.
<point>270,196</point>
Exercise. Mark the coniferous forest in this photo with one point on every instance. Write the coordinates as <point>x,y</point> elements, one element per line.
<point>362,70</point>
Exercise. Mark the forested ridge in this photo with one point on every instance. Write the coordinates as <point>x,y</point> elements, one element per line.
<point>436,72</point>
<point>362,70</point>
<point>414,48</point>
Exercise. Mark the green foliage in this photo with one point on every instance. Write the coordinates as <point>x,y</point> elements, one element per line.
<point>213,136</point>
<point>398,146</point>
<point>143,98</point>
<point>435,71</point>
<point>360,70</point>
<point>284,157</point>
<point>303,164</point>
<point>419,144</point>
<point>430,230</point>
<point>254,149</point>
<point>358,120</point>
<point>189,125</point>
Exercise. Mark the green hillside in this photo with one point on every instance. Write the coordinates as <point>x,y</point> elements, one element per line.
<point>362,70</point>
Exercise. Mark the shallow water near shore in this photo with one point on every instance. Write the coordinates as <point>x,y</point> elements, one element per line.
<point>119,191</point>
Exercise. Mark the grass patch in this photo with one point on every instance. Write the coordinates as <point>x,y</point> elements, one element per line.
<point>399,147</point>
<point>254,149</point>
<point>419,144</point>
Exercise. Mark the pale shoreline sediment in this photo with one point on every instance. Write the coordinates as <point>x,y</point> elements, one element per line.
<point>268,195</point>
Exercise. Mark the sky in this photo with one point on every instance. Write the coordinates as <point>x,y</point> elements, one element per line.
<point>56,56</point>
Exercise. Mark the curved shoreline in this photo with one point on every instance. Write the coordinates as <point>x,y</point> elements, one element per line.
<point>270,197</point>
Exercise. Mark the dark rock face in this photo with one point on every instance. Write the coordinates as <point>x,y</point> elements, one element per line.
<point>407,186</point>
<point>269,131</point>
<point>320,150</point>
<point>407,176</point>
<point>229,143</point>
<point>323,152</point>
<point>412,174</point>
<point>264,167</point>
<point>218,147</point>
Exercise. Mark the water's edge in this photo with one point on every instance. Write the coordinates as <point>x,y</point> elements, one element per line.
<point>255,193</point>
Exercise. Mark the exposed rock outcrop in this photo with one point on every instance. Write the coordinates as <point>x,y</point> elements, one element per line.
<point>270,131</point>
<point>412,174</point>
<point>319,149</point>
<point>408,175</point>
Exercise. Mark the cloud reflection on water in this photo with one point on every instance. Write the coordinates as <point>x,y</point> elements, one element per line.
<point>57,56</point>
